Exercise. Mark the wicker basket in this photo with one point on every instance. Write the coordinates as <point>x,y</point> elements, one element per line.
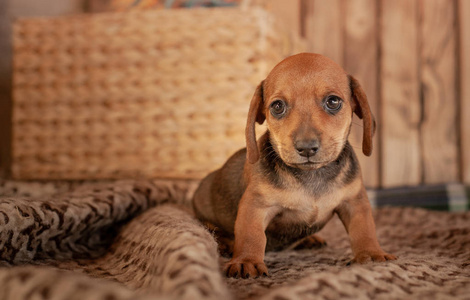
<point>139,94</point>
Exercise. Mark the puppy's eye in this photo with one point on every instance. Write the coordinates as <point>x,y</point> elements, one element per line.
<point>278,108</point>
<point>333,104</point>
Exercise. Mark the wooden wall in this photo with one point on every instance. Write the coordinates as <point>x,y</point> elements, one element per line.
<point>413,60</point>
<point>411,56</point>
<point>463,7</point>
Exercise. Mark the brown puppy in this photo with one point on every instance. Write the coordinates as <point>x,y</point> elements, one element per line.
<point>288,185</point>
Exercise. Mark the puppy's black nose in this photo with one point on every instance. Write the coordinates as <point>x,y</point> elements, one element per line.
<point>307,148</point>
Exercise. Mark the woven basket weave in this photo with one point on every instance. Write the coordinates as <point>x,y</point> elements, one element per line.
<point>138,94</point>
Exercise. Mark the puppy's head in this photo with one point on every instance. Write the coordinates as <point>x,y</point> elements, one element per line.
<point>307,101</point>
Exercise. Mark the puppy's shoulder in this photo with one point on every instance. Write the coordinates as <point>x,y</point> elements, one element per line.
<point>229,179</point>
<point>234,165</point>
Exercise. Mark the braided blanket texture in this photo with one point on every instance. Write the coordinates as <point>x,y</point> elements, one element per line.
<point>139,240</point>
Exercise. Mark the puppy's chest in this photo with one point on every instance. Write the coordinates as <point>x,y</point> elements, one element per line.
<point>298,206</point>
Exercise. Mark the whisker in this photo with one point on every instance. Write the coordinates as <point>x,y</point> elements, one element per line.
<point>270,154</point>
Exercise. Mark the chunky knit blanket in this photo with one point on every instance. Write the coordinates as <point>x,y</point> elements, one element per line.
<point>139,240</point>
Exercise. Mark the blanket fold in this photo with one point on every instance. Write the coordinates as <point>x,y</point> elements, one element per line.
<point>139,240</point>
<point>70,225</point>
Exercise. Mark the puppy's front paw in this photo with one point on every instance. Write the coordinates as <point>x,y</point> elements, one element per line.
<point>245,269</point>
<point>376,256</point>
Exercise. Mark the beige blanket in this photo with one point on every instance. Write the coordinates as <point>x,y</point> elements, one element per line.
<point>138,240</point>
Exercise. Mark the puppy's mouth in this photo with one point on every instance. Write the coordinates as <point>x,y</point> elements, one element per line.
<point>308,165</point>
<point>303,163</point>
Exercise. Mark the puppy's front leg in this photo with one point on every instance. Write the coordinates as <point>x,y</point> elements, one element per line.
<point>356,215</point>
<point>250,239</point>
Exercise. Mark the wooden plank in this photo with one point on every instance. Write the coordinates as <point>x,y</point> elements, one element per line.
<point>361,61</point>
<point>400,97</point>
<point>288,12</point>
<point>438,79</point>
<point>5,89</point>
<point>323,26</point>
<point>464,30</point>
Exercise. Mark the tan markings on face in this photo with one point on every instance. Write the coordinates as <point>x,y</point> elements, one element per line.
<point>304,90</point>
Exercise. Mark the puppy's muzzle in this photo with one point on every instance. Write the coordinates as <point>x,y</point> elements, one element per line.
<point>307,148</point>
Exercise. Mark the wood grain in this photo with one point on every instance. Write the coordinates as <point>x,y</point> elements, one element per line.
<point>288,12</point>
<point>438,79</point>
<point>464,36</point>
<point>324,28</point>
<point>361,61</point>
<point>400,97</point>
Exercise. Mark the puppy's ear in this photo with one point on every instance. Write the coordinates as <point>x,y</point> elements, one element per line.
<point>255,114</point>
<point>362,110</point>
